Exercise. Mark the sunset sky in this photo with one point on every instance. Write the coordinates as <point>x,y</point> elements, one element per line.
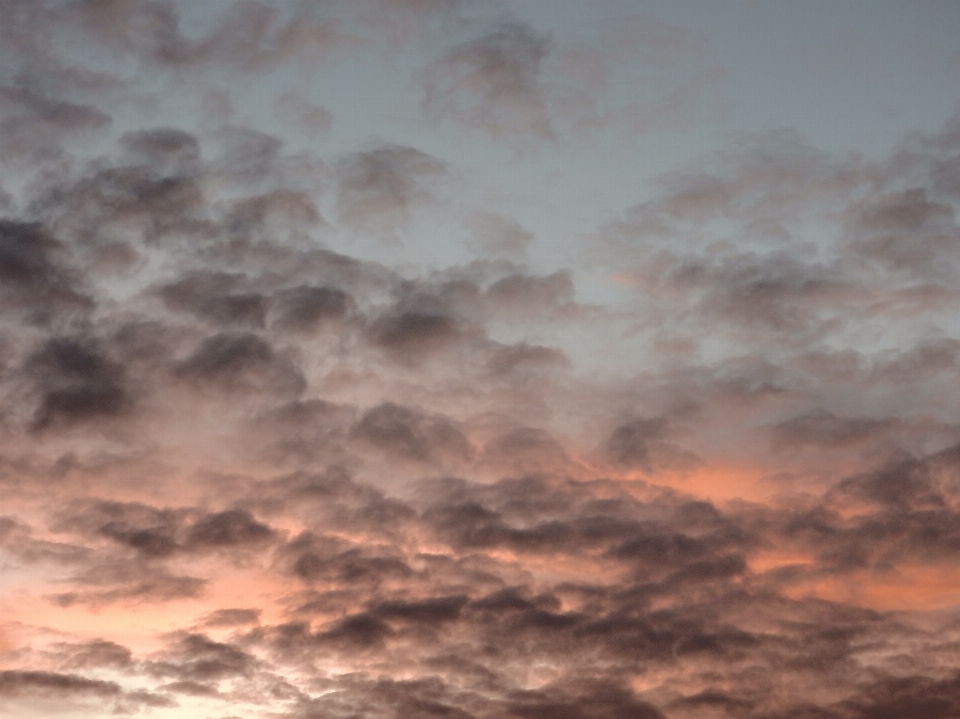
<point>479,359</point>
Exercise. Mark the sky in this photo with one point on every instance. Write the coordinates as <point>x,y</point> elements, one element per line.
<point>468,359</point>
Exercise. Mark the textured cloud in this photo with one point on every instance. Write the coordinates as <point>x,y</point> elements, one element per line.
<point>493,84</point>
<point>258,462</point>
<point>378,189</point>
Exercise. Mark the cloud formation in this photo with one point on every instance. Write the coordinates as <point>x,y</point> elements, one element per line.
<point>261,458</point>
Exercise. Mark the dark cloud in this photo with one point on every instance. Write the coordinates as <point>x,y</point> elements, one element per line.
<point>98,653</point>
<point>640,444</point>
<point>600,701</point>
<point>306,306</point>
<point>908,697</point>
<point>14,683</point>
<point>359,630</point>
<point>211,296</point>
<point>245,361</point>
<point>229,529</point>
<point>232,617</point>
<point>197,658</point>
<point>493,84</point>
<point>103,204</point>
<point>414,335</point>
<point>410,434</point>
<point>35,274</point>
<point>327,560</point>
<point>129,584</point>
<point>76,382</point>
<point>435,610</point>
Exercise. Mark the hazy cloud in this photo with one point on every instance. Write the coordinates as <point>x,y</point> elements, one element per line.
<point>493,84</point>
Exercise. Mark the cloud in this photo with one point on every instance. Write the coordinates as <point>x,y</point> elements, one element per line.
<point>407,433</point>
<point>494,234</point>
<point>76,383</point>
<point>36,278</point>
<point>240,361</point>
<point>248,37</point>
<point>379,188</point>
<point>493,84</point>
<point>310,118</point>
<point>33,125</point>
<point>245,469</point>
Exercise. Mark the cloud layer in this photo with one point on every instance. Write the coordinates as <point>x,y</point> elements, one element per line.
<point>252,467</point>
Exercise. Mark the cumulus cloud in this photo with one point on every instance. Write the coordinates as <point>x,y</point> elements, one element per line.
<point>379,188</point>
<point>493,84</point>
<point>252,466</point>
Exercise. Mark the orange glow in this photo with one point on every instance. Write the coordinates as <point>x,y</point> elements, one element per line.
<point>906,588</point>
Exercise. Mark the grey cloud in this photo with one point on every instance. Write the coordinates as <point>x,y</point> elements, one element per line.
<point>326,560</point>
<point>523,357</point>
<point>166,149</point>
<point>595,700</point>
<point>232,528</point>
<point>21,546</point>
<point>232,617</point>
<point>125,582</point>
<point>304,432</point>
<point>210,296</point>
<point>307,306</point>
<point>159,533</point>
<point>410,434</point>
<point>412,336</point>
<point>909,697</point>
<point>493,84</point>
<point>159,206</point>
<point>77,383</point>
<point>379,188</point>
<point>32,125</point>
<point>774,293</point>
<point>196,657</point>
<point>18,683</point>
<point>525,448</point>
<point>249,36</point>
<point>640,443</point>
<point>272,211</point>
<point>246,155</point>
<point>904,231</point>
<point>36,275</point>
<point>245,361</point>
<point>526,293</point>
<point>418,517</point>
<point>824,428</point>
<point>97,653</point>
